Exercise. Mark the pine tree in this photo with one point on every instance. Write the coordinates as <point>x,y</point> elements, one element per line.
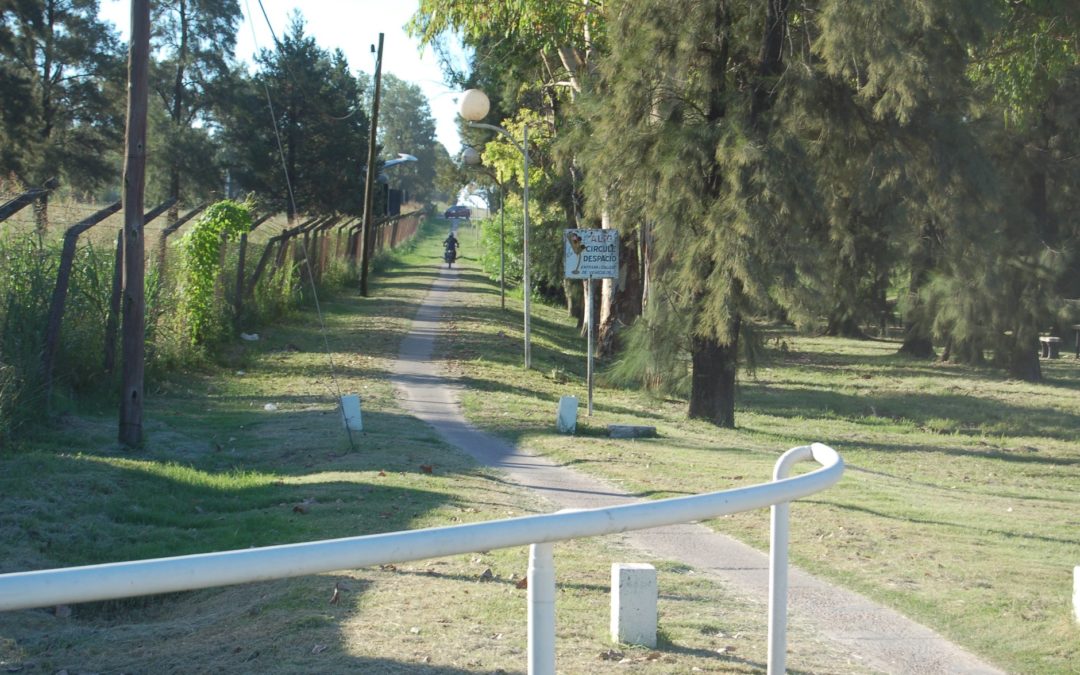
<point>193,42</point>
<point>65,74</point>
<point>759,135</point>
<point>317,105</point>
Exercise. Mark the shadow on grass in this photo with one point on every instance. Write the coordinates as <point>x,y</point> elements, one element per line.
<point>953,412</point>
<point>942,523</point>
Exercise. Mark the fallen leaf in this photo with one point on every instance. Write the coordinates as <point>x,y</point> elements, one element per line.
<point>522,583</point>
<point>388,568</point>
<point>427,468</point>
<point>611,655</point>
<point>382,473</point>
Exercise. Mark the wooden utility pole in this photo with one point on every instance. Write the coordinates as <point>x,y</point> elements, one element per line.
<point>369,179</point>
<point>134,331</point>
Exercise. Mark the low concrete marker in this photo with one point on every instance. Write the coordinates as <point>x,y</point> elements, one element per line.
<point>633,604</point>
<point>1076,593</point>
<point>350,409</point>
<point>630,431</point>
<point>566,416</point>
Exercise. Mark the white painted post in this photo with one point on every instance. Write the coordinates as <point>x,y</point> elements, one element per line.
<point>1076,592</point>
<point>542,609</point>
<point>633,604</point>
<point>589,358</point>
<point>350,410</point>
<point>566,417</point>
<point>778,565</point>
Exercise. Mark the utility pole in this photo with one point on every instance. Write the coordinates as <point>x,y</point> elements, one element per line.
<point>134,331</point>
<point>369,179</point>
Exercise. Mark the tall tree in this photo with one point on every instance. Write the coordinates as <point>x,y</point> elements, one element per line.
<point>541,56</point>
<point>757,135</point>
<point>406,126</point>
<point>1030,68</point>
<point>70,64</point>
<point>193,42</point>
<point>318,113</point>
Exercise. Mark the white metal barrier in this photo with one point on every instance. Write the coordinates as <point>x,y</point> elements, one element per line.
<point>45,588</point>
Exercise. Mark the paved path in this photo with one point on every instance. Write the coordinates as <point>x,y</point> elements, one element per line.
<point>880,637</point>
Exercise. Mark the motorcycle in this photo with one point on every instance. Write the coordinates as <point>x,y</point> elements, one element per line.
<point>450,255</point>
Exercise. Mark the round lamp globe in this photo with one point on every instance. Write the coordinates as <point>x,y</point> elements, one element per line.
<point>474,105</point>
<point>470,157</point>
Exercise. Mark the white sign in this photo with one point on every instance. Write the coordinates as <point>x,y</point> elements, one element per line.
<point>591,254</point>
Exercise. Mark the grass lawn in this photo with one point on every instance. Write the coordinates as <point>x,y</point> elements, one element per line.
<point>960,506</point>
<point>251,452</point>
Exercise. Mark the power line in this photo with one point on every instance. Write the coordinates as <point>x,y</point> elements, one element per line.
<point>336,389</point>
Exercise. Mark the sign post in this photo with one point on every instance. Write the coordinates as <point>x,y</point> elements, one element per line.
<point>590,255</point>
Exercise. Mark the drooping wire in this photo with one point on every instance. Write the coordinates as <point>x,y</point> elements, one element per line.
<point>297,82</point>
<point>335,390</point>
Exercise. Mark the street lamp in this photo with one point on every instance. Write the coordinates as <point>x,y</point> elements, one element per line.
<point>474,107</point>
<point>472,158</point>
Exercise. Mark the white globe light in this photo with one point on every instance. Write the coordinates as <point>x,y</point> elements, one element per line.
<point>474,105</point>
<point>470,156</point>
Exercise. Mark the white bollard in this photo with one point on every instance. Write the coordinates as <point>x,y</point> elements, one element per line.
<point>350,410</point>
<point>1076,592</point>
<point>566,417</point>
<point>633,604</point>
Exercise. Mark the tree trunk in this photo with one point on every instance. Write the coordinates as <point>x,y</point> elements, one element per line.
<point>917,342</point>
<point>842,323</point>
<point>1023,361</point>
<point>620,298</point>
<point>712,389</point>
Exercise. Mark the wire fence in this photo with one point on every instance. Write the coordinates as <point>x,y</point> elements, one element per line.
<point>60,294</point>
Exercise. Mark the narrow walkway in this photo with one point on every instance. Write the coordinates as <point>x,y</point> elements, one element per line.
<point>880,637</point>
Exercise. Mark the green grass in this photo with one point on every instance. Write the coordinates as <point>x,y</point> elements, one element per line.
<point>959,505</point>
<point>220,471</point>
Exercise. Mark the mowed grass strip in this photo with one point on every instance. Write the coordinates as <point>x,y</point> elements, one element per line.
<point>960,505</point>
<point>253,453</point>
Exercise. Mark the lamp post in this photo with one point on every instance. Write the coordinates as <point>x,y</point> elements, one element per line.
<point>474,107</point>
<point>472,158</point>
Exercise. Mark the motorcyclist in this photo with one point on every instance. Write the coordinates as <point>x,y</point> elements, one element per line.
<point>450,246</point>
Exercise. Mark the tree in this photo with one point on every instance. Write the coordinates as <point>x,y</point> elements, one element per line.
<point>194,41</point>
<point>540,56</point>
<point>66,78</point>
<point>406,126</point>
<point>757,135</point>
<point>318,113</point>
<point>1030,69</point>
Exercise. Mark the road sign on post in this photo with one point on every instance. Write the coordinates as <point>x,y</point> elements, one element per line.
<point>591,254</point>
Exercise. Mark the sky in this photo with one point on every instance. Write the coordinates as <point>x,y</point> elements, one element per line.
<point>353,26</point>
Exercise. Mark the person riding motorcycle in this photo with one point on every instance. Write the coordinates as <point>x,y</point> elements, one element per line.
<point>450,246</point>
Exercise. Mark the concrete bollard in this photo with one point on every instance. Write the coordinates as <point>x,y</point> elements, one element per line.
<point>350,409</point>
<point>633,604</point>
<point>1076,593</point>
<point>566,416</point>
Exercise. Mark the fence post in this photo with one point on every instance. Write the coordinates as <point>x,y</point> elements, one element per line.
<point>238,301</point>
<point>113,320</point>
<point>173,228</point>
<point>541,581</point>
<point>63,279</point>
<point>13,206</point>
